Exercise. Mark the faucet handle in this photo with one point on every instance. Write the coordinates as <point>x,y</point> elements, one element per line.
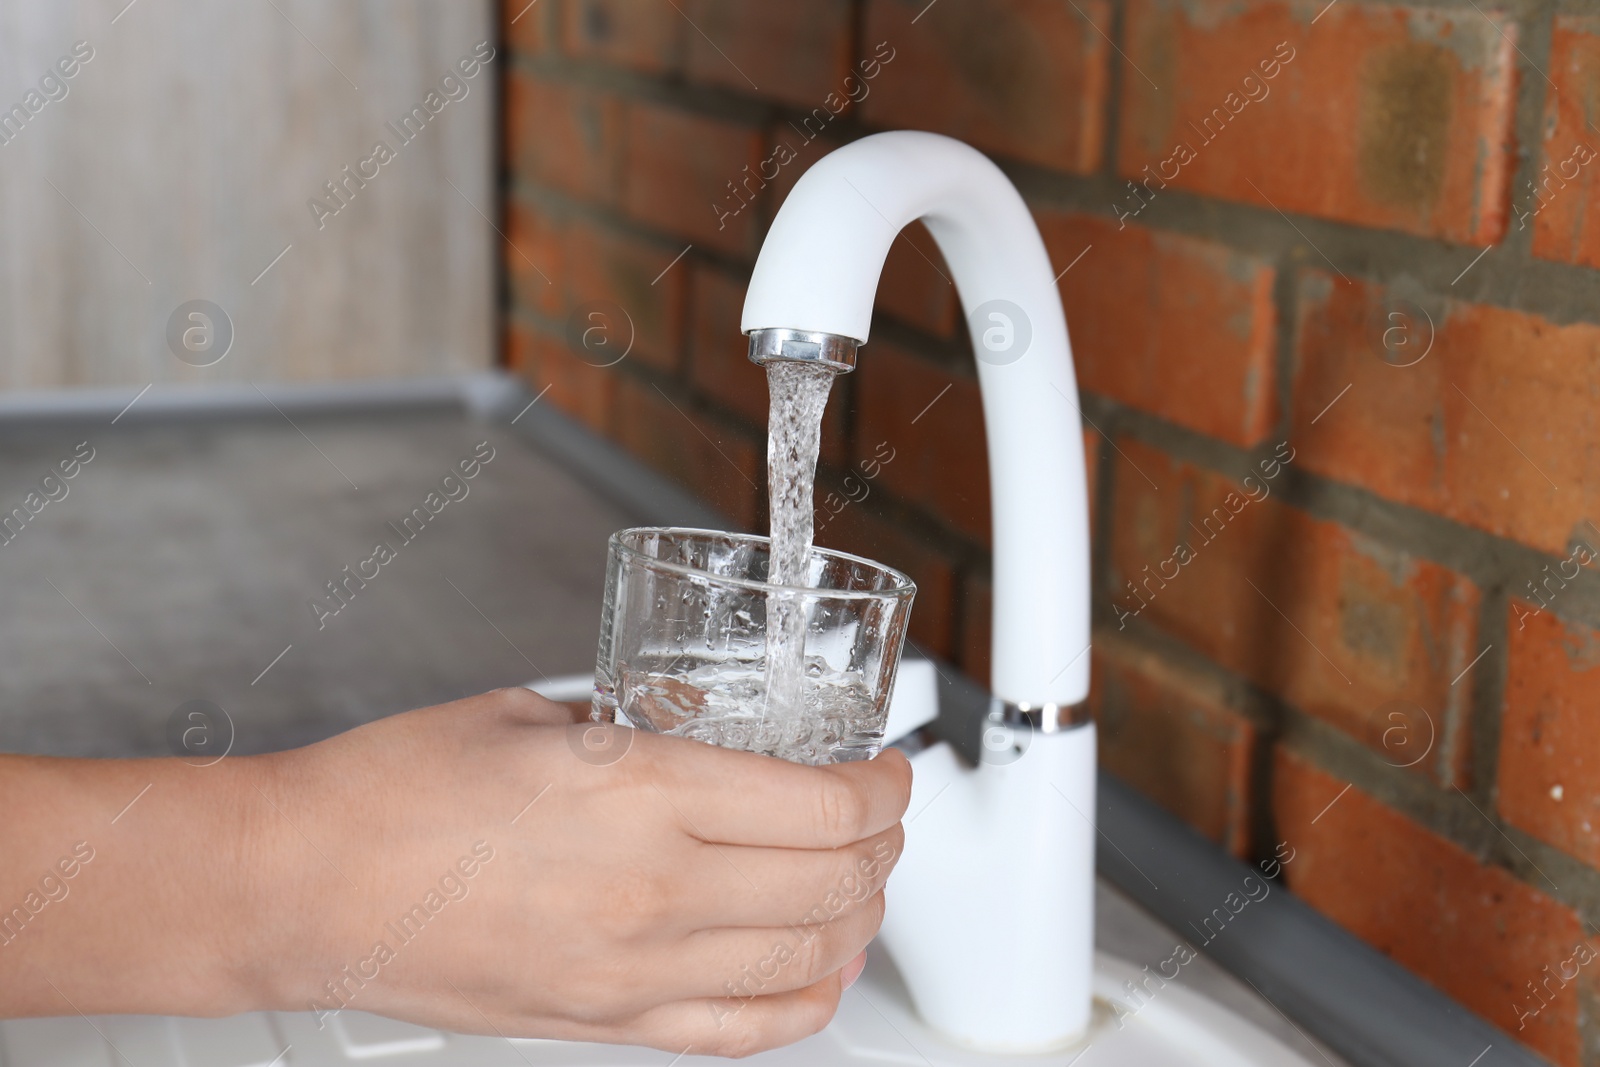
<point>836,352</point>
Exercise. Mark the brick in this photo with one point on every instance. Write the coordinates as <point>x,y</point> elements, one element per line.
<point>644,35</point>
<point>587,393</point>
<point>1364,630</point>
<point>806,146</point>
<point>976,607</point>
<point>1559,199</point>
<point>1174,735</point>
<point>1494,428</point>
<point>1381,114</point>
<point>940,461</point>
<point>1026,79</point>
<point>681,168</point>
<point>535,258</point>
<point>976,614</point>
<point>797,53</point>
<point>1472,930</point>
<point>563,136</point>
<point>718,462</point>
<point>719,364</point>
<point>720,367</point>
<point>916,285</point>
<point>1179,327</point>
<point>523,26</point>
<point>604,266</point>
<point>858,528</point>
<point>1549,768</point>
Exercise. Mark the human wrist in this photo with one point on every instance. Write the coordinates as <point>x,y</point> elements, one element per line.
<point>289,914</point>
<point>230,851</point>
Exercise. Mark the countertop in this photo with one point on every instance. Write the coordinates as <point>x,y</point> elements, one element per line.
<point>185,560</point>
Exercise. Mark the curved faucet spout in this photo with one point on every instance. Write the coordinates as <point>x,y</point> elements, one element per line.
<point>818,273</point>
<point>992,911</point>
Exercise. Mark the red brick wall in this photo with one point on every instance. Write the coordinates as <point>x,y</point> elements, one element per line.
<point>1335,325</point>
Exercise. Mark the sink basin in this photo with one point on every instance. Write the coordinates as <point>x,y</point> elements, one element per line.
<point>874,1025</point>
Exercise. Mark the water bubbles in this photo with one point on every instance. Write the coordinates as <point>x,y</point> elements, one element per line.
<point>725,704</point>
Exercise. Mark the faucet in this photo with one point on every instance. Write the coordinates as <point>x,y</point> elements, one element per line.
<point>991,912</point>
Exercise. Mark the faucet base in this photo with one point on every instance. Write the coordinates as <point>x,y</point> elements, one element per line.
<point>1171,1026</point>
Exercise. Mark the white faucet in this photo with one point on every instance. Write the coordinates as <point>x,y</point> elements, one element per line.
<point>991,910</point>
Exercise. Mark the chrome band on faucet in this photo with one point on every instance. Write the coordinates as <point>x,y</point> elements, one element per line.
<point>1039,718</point>
<point>801,346</point>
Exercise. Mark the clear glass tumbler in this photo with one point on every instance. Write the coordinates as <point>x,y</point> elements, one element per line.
<point>684,645</point>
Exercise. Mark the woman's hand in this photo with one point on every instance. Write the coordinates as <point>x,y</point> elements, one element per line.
<point>483,866</point>
<point>488,866</point>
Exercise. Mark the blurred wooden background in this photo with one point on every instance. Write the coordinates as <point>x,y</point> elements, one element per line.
<point>180,162</point>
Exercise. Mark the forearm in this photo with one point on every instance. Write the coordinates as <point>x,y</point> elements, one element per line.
<point>141,886</point>
<point>446,866</point>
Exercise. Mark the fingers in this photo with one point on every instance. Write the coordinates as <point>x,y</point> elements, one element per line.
<point>741,886</point>
<point>744,963</point>
<point>730,1026</point>
<point>744,799</point>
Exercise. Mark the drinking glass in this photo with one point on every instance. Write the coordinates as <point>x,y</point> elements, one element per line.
<point>684,644</point>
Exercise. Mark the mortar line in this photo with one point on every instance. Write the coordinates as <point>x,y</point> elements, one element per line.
<point>713,44</point>
<point>1112,43</point>
<point>1297,630</point>
<point>1474,263</point>
<point>1474,662</point>
<point>1297,229</point>
<point>1513,44</point>
<point>1502,833</point>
